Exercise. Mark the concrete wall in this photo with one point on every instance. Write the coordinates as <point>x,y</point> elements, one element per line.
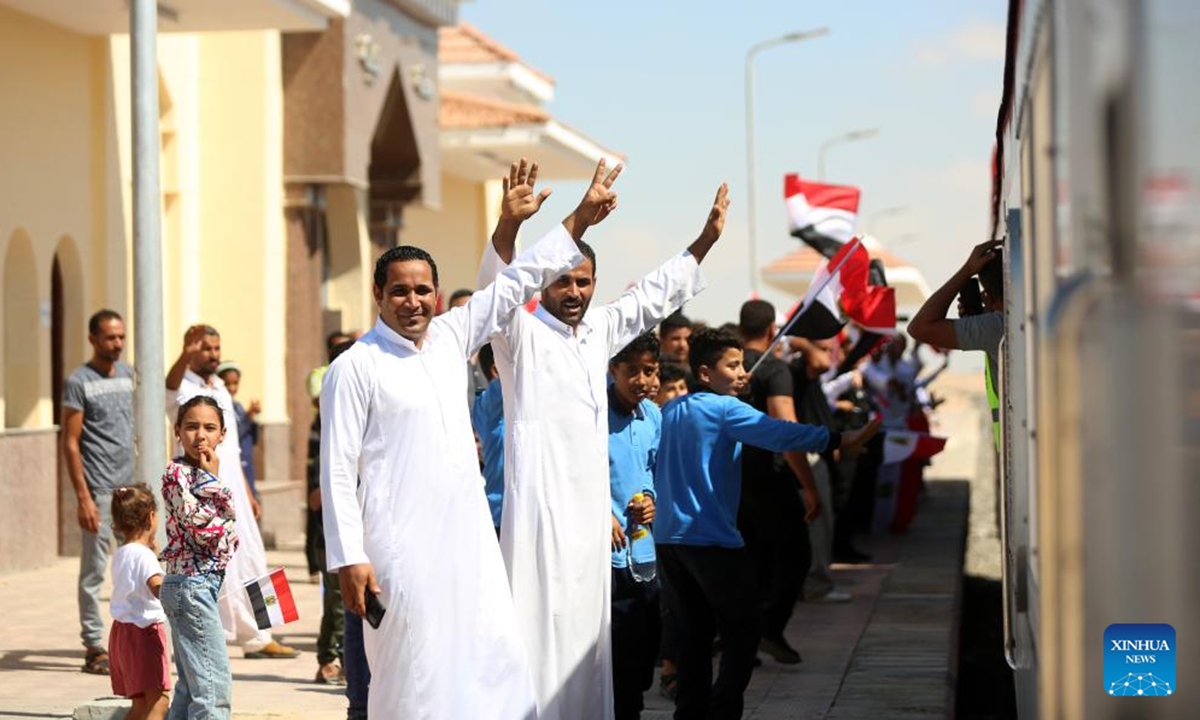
<point>28,506</point>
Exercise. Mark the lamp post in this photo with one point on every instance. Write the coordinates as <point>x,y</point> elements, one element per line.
<point>754,50</point>
<point>839,139</point>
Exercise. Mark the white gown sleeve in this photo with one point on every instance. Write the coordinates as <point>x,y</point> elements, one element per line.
<point>345,405</point>
<point>651,300</point>
<point>489,310</point>
<point>491,265</point>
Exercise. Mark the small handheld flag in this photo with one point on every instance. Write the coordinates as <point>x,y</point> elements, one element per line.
<point>271,598</point>
<point>820,214</point>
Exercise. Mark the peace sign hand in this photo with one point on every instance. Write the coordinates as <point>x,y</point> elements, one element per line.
<point>520,202</point>
<point>600,200</point>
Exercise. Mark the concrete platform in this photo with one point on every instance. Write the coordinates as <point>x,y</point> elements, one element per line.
<point>890,653</point>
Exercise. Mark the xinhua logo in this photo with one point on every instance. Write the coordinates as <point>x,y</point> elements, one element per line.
<point>1139,660</point>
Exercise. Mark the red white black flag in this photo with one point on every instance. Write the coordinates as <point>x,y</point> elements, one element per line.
<point>843,282</point>
<point>822,215</point>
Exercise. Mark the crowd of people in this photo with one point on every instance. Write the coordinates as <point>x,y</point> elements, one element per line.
<point>618,491</point>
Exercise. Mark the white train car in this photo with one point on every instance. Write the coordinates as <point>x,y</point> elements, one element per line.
<point>1097,194</point>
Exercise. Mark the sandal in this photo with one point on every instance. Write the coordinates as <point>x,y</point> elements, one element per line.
<point>96,662</point>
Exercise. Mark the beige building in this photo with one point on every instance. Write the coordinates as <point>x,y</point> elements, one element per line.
<point>299,139</point>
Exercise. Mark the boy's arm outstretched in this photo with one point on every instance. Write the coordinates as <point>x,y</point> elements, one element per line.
<point>752,427</point>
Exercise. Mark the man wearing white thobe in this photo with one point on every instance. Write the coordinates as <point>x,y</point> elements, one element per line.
<point>557,521</point>
<point>195,373</point>
<point>418,531</point>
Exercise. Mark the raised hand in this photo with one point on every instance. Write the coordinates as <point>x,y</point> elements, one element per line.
<point>981,255</point>
<point>716,215</point>
<point>520,201</point>
<point>193,340</point>
<point>713,226</point>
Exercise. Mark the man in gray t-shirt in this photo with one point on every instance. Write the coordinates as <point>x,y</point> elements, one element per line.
<point>978,331</point>
<point>97,427</point>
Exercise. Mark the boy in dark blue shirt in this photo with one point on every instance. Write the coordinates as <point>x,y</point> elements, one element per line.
<point>634,424</point>
<point>708,584</point>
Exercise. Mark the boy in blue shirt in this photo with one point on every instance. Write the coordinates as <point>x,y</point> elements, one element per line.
<point>487,417</point>
<point>634,424</point>
<point>708,584</point>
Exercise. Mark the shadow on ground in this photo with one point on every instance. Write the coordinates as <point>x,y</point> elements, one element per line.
<point>985,682</point>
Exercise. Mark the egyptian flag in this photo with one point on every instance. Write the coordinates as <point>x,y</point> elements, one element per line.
<point>821,215</point>
<point>871,306</point>
<point>818,317</point>
<point>271,598</point>
<point>901,445</point>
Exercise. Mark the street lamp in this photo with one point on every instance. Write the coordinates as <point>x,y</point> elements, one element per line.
<point>754,50</point>
<point>837,140</point>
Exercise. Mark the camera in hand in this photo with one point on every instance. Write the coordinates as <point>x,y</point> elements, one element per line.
<point>970,299</point>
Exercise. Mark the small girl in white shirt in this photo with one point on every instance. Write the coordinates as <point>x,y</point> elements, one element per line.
<point>138,641</point>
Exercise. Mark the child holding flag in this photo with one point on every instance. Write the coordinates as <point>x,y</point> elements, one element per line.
<point>138,640</point>
<point>201,539</point>
<point>708,585</point>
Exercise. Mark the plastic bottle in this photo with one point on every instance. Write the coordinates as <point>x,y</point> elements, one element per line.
<point>639,548</point>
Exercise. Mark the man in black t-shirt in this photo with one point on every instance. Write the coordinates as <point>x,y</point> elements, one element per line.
<point>772,515</point>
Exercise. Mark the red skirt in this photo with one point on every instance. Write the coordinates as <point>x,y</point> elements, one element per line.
<point>137,659</point>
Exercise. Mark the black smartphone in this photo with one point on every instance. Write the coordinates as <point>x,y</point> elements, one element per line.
<point>375,610</point>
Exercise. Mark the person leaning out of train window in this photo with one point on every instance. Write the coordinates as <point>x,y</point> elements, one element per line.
<point>980,325</point>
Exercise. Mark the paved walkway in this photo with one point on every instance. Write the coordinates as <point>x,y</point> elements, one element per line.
<point>889,654</point>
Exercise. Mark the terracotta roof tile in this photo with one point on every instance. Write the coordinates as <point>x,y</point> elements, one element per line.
<point>463,44</point>
<point>463,111</point>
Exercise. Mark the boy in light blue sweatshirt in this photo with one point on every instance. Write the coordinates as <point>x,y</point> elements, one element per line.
<point>634,424</point>
<point>708,585</point>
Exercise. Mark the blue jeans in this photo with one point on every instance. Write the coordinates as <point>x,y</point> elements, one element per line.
<point>204,688</point>
<point>354,662</point>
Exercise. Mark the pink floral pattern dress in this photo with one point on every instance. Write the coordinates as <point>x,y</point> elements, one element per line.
<point>201,536</point>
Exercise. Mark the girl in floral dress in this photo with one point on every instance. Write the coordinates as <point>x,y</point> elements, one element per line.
<point>200,542</point>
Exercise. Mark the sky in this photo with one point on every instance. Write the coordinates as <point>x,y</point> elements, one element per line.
<point>663,84</point>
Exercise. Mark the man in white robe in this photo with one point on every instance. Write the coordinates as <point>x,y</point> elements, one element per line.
<point>557,521</point>
<point>417,530</point>
<point>195,373</point>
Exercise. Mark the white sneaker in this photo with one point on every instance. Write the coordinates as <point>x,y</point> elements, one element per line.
<point>835,596</point>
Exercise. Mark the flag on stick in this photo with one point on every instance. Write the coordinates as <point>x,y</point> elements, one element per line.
<point>821,215</point>
<point>271,598</point>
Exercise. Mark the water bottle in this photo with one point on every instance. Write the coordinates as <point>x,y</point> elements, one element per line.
<point>639,549</point>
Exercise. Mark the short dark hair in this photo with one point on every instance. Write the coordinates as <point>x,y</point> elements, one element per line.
<point>669,372</point>
<point>487,359</point>
<point>640,345</point>
<point>992,276</point>
<point>131,508</point>
<point>402,253</point>
<point>209,330</point>
<point>460,293</point>
<point>200,400</point>
<point>332,338</point>
<point>756,318</point>
<point>707,347</point>
<point>588,253</point>
<point>674,321</point>
<point>336,351</point>
<point>101,317</point>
